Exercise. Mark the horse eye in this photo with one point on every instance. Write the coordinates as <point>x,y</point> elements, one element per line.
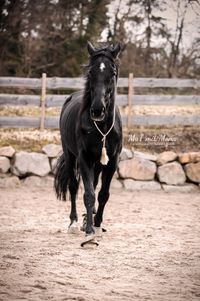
<point>112,79</point>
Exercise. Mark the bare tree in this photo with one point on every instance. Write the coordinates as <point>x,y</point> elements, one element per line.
<point>182,7</point>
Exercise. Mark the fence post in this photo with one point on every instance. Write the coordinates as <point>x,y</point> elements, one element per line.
<point>42,101</point>
<point>130,97</point>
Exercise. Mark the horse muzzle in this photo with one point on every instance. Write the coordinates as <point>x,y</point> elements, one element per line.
<point>97,114</point>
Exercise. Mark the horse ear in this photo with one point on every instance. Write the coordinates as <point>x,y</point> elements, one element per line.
<point>116,50</point>
<point>90,48</point>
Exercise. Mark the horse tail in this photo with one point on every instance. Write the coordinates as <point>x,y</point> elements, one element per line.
<point>61,177</point>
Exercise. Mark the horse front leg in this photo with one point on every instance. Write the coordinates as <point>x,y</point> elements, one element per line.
<point>87,173</point>
<point>103,196</point>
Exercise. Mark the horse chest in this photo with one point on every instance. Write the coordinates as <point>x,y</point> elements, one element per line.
<point>91,140</point>
<point>93,145</point>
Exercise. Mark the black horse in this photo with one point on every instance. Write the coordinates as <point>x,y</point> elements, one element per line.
<point>91,134</point>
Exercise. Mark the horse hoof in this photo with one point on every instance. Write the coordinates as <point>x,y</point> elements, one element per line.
<point>90,242</point>
<point>98,233</point>
<point>73,228</point>
<point>83,227</point>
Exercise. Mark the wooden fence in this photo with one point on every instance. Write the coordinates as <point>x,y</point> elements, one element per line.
<point>45,100</point>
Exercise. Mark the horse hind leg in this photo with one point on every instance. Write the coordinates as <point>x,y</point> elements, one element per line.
<point>73,189</point>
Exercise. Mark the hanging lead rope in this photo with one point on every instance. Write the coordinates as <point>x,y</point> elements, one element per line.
<point>104,157</point>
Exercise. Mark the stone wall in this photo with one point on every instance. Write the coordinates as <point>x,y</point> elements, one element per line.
<point>137,171</point>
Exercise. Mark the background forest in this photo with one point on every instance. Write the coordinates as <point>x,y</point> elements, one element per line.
<point>50,36</point>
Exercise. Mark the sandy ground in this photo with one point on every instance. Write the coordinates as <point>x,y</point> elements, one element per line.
<point>151,250</point>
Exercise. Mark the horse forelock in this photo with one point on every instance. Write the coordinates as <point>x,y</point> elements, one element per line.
<point>104,52</point>
<point>101,53</point>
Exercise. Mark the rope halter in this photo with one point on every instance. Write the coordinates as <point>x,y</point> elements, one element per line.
<point>104,157</point>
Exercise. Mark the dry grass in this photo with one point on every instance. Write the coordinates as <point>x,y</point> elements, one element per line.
<point>29,111</point>
<point>30,140</point>
<point>187,137</point>
<point>163,110</point>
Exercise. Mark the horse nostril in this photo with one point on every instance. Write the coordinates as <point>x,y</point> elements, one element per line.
<point>103,111</point>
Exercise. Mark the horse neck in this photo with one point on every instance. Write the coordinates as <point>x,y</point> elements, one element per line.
<point>86,96</point>
<point>111,109</point>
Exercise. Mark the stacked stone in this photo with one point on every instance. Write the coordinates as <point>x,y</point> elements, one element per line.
<point>168,171</point>
<point>137,171</point>
<point>29,167</point>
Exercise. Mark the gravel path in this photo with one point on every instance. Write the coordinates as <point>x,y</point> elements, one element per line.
<point>150,252</point>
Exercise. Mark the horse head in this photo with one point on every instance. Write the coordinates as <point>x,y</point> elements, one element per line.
<point>102,76</point>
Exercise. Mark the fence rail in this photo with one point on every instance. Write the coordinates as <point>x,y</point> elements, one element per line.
<point>78,82</point>
<point>58,100</point>
<point>53,122</point>
<point>57,83</point>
